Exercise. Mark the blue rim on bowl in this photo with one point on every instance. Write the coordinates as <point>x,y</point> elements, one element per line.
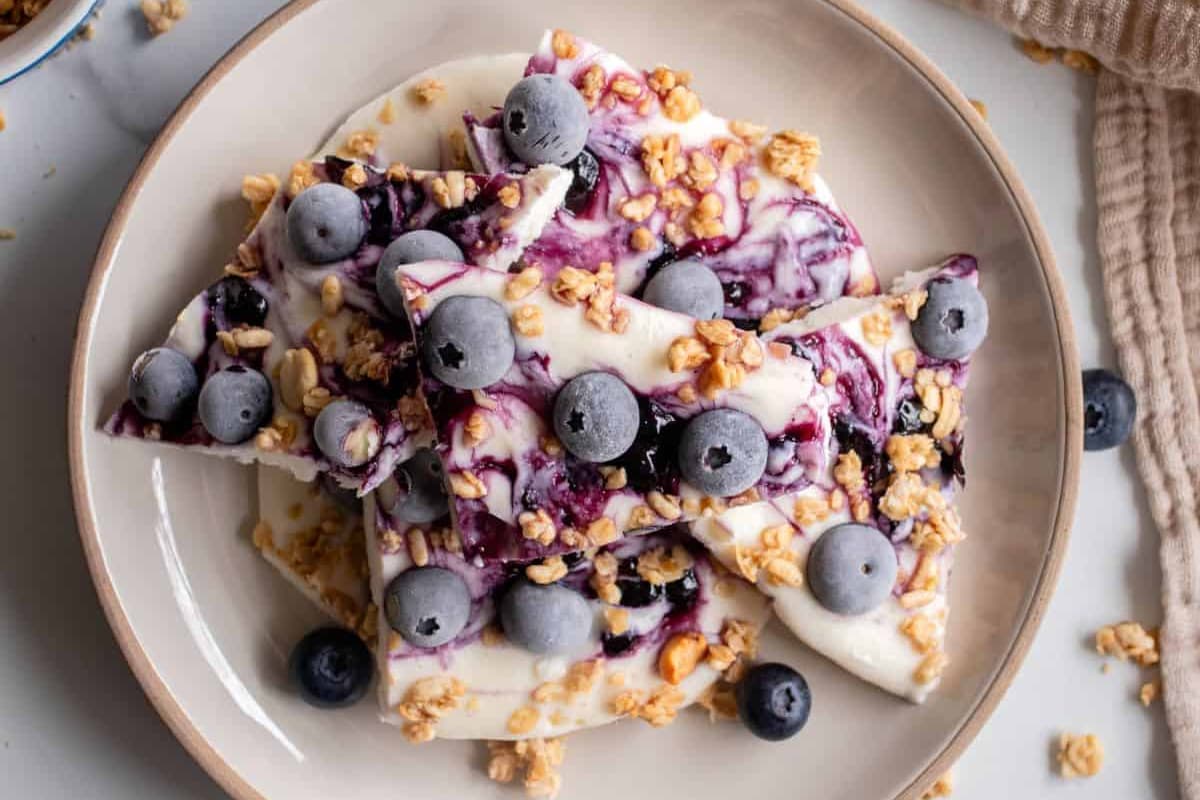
<point>43,36</point>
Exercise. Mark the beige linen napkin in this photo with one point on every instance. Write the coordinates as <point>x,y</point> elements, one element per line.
<point>1147,141</point>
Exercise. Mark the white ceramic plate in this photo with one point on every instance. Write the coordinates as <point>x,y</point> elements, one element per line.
<point>205,623</point>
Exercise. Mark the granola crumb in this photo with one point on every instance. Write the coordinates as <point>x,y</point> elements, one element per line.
<point>793,156</point>
<point>7,234</point>
<point>1080,755</point>
<point>1149,692</point>
<point>1079,60</point>
<point>161,15</point>
<point>980,108</point>
<point>429,91</point>
<point>942,787</point>
<point>1036,52</point>
<point>539,760</point>
<point>387,113</point>
<point>1128,640</point>
<point>3,121</point>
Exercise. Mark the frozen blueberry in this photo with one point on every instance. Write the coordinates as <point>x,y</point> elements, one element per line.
<point>468,343</point>
<point>235,403</point>
<point>345,498</point>
<point>545,120</point>
<point>422,494</point>
<point>953,321</point>
<point>240,302</point>
<point>585,172</point>
<point>347,434</point>
<point>326,223</point>
<point>410,248</point>
<point>331,667</point>
<point>851,568</point>
<point>596,416</point>
<point>688,287</point>
<point>773,701</point>
<point>428,606</point>
<point>163,384</point>
<point>545,619</point>
<point>722,452</point>
<point>1109,409</point>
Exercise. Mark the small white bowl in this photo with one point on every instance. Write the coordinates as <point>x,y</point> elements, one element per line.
<point>38,40</point>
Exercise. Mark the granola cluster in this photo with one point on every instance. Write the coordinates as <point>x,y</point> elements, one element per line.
<point>14,14</point>
<point>722,354</point>
<point>537,759</point>
<point>1080,755</point>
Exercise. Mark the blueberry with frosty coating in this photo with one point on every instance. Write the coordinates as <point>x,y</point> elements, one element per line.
<point>953,321</point>
<point>347,434</point>
<point>326,223</point>
<point>687,287</point>
<point>235,403</point>
<point>331,667</point>
<point>422,497</point>
<point>428,606</point>
<point>468,343</point>
<point>162,384</point>
<point>596,417</point>
<point>410,248</point>
<point>722,452</point>
<point>545,120</point>
<point>851,568</point>
<point>545,619</point>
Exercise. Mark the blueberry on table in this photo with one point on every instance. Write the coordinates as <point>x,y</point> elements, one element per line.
<point>953,321</point>
<point>773,701</point>
<point>545,120</point>
<point>468,343</point>
<point>687,287</point>
<point>545,619</point>
<point>240,302</point>
<point>596,417</point>
<point>234,403</point>
<point>422,496</point>
<point>851,568</point>
<point>722,452</point>
<point>326,223</point>
<point>347,434</point>
<point>331,668</point>
<point>410,248</point>
<point>428,606</point>
<point>1109,409</point>
<point>163,384</point>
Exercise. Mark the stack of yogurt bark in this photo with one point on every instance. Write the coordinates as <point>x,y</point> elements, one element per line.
<point>555,427</point>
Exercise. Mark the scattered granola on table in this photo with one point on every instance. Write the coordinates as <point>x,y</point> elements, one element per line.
<point>15,14</point>
<point>161,15</point>
<point>1080,755</point>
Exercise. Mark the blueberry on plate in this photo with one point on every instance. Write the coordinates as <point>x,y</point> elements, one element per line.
<point>545,120</point>
<point>545,619</point>
<point>240,302</point>
<point>596,417</point>
<point>851,568</point>
<point>953,321</point>
<point>410,248</point>
<point>347,434</point>
<point>422,489</point>
<point>326,223</point>
<point>468,343</point>
<point>722,452</point>
<point>773,701</point>
<point>428,606</point>
<point>687,287</point>
<point>331,667</point>
<point>1109,409</point>
<point>234,403</point>
<point>163,384</point>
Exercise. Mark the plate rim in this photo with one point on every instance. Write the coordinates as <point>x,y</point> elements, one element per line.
<point>159,693</point>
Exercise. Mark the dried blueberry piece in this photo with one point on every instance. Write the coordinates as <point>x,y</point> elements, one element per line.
<point>585,171</point>
<point>636,592</point>
<point>616,644</point>
<point>682,593</point>
<point>468,343</point>
<point>240,302</point>
<point>908,417</point>
<point>331,668</point>
<point>953,321</point>
<point>428,606</point>
<point>325,223</point>
<point>545,120</point>
<point>735,292</point>
<point>851,568</point>
<point>1109,409</point>
<point>163,384</point>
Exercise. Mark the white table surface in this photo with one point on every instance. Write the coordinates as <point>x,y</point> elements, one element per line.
<point>73,721</point>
